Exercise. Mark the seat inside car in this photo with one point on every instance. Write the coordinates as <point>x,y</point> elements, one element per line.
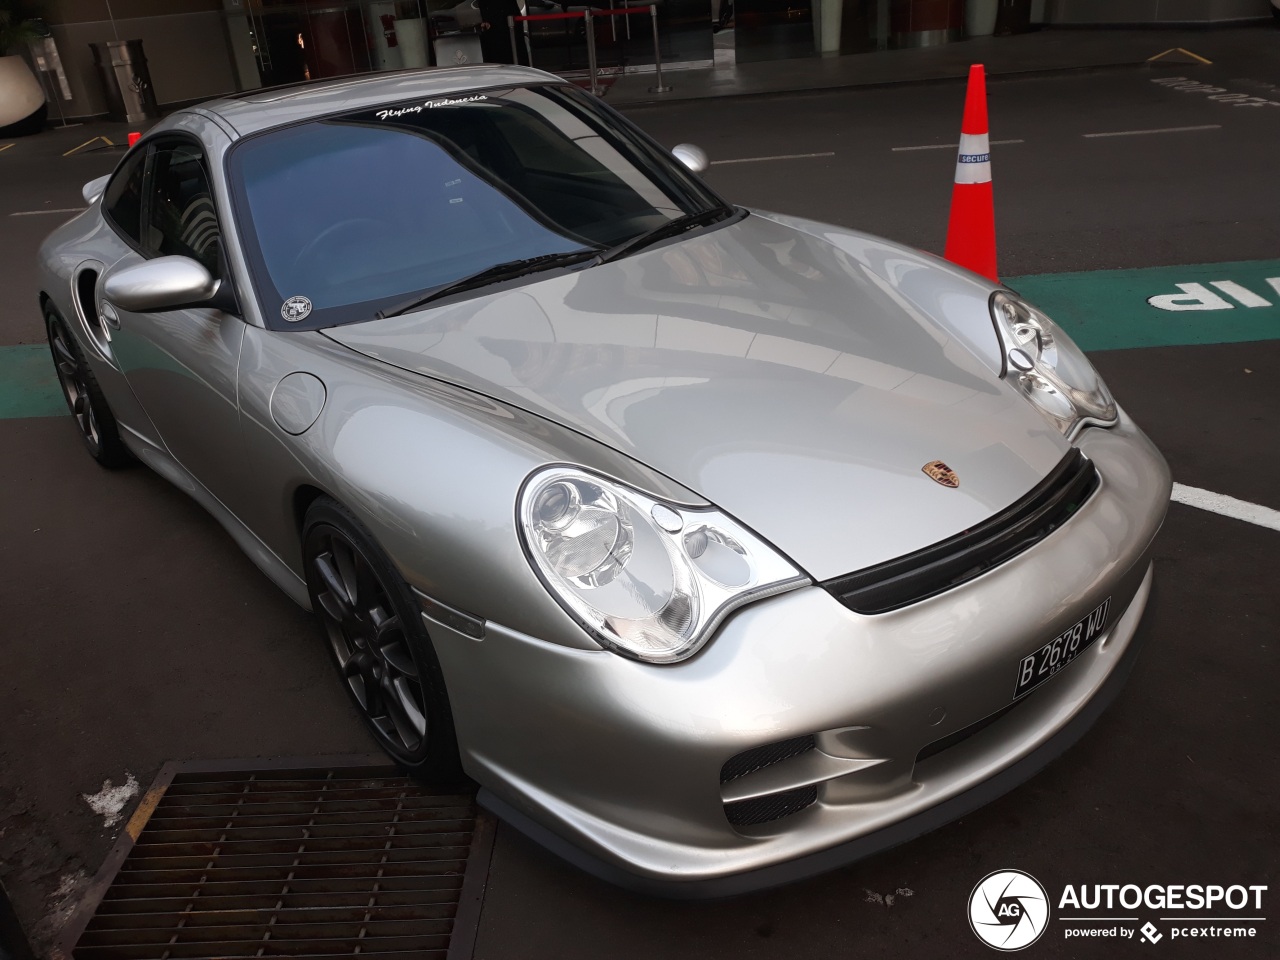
<point>183,219</point>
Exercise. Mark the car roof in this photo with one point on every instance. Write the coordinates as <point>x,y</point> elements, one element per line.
<point>255,110</point>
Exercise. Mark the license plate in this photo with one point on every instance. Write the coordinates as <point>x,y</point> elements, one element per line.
<point>1036,668</point>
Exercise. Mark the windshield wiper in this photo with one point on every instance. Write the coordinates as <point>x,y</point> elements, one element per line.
<point>669,229</point>
<point>508,270</point>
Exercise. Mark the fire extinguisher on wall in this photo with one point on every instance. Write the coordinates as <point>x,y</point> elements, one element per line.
<point>382,31</point>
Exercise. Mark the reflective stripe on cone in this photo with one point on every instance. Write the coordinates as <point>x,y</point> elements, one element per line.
<point>973,165</point>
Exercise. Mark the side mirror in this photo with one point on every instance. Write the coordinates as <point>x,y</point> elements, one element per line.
<point>695,158</point>
<point>165,283</point>
<point>92,190</point>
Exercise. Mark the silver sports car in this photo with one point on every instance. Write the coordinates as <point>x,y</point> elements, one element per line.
<point>718,547</point>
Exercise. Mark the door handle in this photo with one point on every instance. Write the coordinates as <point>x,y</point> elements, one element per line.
<point>109,315</point>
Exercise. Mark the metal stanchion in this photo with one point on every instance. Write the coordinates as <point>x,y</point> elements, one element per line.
<point>657,53</point>
<point>588,18</point>
<point>591,52</point>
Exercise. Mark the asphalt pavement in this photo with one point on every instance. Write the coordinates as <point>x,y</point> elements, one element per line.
<point>134,632</point>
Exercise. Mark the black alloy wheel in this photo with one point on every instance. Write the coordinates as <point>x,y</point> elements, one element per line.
<point>379,643</point>
<point>93,417</point>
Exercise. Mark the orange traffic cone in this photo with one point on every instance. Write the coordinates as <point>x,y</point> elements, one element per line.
<point>971,232</point>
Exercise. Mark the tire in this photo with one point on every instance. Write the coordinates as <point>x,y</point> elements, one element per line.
<point>373,627</point>
<point>93,417</point>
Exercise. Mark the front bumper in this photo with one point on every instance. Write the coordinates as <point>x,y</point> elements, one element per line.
<point>617,764</point>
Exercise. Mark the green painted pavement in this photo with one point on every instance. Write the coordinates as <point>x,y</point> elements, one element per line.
<point>1101,309</point>
<point>1110,309</point>
<point>28,384</point>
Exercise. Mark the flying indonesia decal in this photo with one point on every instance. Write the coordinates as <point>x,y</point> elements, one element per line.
<point>392,112</point>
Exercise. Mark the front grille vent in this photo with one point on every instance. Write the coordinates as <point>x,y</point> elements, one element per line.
<point>949,563</point>
<point>749,761</point>
<point>773,806</point>
<point>745,813</point>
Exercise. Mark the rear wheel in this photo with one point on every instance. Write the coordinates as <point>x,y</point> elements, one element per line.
<point>93,417</point>
<point>374,629</point>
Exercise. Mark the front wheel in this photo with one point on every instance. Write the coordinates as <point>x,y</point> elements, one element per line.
<point>374,630</point>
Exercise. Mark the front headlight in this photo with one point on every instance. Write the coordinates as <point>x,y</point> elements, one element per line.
<point>1048,367</point>
<point>647,579</point>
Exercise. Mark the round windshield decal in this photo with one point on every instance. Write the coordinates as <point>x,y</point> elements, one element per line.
<point>295,309</point>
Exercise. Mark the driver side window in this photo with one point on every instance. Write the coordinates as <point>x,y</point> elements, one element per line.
<point>180,216</point>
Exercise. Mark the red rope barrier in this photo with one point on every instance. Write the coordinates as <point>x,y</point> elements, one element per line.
<point>588,15</point>
<point>578,14</point>
<point>572,15</point>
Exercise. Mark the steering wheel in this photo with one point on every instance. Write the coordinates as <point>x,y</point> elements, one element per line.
<point>349,231</point>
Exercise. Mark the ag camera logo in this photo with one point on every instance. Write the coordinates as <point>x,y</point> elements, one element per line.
<point>1008,910</point>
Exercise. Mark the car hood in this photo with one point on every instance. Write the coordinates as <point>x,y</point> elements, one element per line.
<point>796,375</point>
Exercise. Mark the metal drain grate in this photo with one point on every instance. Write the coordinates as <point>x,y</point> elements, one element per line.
<point>314,861</point>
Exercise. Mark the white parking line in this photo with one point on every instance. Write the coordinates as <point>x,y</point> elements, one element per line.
<point>1135,133</point>
<point>1223,505</point>
<point>36,213</point>
<point>784,156</point>
<point>948,146</point>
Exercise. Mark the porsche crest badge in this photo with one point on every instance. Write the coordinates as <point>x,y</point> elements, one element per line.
<point>939,472</point>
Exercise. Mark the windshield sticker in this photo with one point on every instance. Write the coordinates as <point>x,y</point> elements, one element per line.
<point>295,309</point>
<point>392,112</point>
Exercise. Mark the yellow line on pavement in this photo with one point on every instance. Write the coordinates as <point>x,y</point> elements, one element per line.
<point>150,800</point>
<point>105,141</point>
<point>5,147</point>
<point>1182,50</point>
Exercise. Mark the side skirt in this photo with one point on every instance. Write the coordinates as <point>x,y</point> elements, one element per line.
<point>277,571</point>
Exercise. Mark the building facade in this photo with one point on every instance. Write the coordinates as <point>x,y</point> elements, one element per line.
<point>198,49</point>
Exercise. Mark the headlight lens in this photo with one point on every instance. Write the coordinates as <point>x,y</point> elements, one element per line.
<point>648,579</point>
<point>1050,370</point>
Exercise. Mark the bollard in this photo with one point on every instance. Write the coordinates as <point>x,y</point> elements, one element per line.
<point>126,80</point>
<point>511,26</point>
<point>657,53</point>
<point>591,51</point>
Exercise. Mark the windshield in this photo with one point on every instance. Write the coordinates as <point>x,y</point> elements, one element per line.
<point>347,215</point>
